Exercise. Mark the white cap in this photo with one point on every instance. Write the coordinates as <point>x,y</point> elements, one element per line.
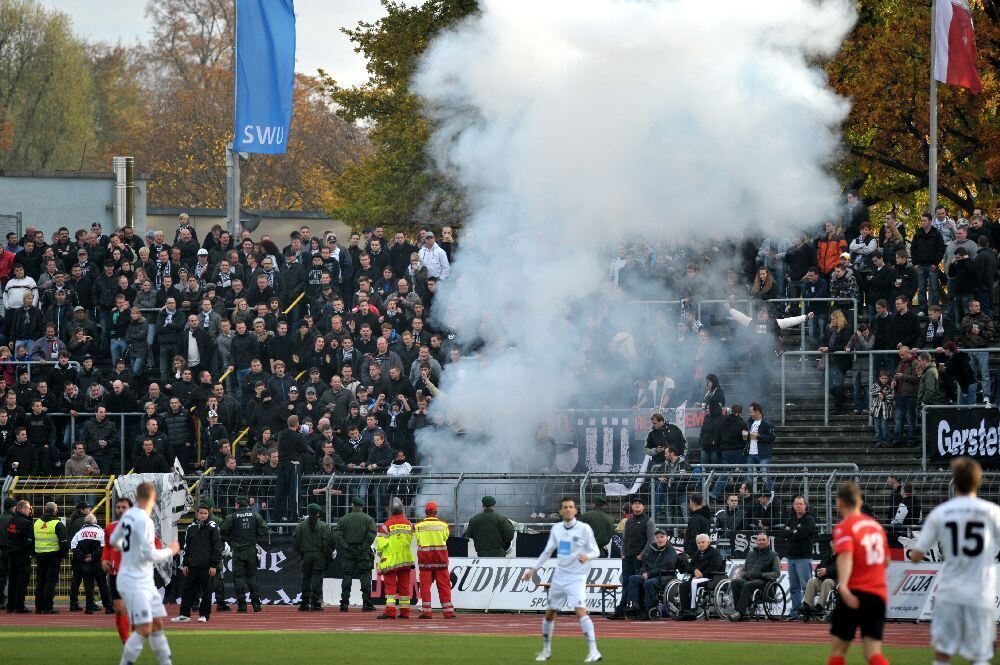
<point>202,252</point>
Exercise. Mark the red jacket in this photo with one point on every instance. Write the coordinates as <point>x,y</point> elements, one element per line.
<point>6,265</point>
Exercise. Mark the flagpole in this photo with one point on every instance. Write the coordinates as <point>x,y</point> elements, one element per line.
<point>233,194</point>
<point>932,157</point>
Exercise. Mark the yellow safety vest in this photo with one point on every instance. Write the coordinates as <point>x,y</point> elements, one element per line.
<point>394,544</point>
<point>432,543</point>
<point>46,539</point>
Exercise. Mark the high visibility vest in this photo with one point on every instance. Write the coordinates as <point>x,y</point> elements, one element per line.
<point>46,539</point>
<point>432,543</point>
<point>394,544</point>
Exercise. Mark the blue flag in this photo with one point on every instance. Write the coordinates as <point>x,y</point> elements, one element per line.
<point>265,74</point>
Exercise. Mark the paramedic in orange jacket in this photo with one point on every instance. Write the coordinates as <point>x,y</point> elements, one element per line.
<point>394,544</point>
<point>432,556</point>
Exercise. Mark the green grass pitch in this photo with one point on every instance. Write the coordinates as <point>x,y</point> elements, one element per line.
<point>90,647</point>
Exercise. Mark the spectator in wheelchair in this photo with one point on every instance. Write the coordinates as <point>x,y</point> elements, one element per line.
<point>820,587</point>
<point>762,565</point>
<point>659,560</point>
<point>708,568</point>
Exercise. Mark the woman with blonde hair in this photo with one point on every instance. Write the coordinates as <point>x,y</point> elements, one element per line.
<point>838,339</point>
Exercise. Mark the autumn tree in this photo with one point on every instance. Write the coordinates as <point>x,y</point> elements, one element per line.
<point>396,184</point>
<point>46,93</point>
<point>884,69</point>
<point>189,94</point>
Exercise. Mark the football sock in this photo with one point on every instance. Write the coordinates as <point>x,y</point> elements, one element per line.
<point>132,649</point>
<point>548,627</point>
<point>158,643</point>
<point>836,660</point>
<point>878,659</point>
<point>587,626</point>
<point>123,626</point>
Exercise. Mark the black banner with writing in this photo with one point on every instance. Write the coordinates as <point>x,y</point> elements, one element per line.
<point>964,432</point>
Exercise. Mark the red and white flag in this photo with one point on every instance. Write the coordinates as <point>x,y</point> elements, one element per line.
<point>955,56</point>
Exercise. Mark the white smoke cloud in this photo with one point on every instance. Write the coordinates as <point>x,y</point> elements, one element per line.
<point>576,125</point>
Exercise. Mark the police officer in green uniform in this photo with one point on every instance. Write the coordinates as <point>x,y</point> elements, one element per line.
<point>600,522</point>
<point>491,532</point>
<point>354,535</point>
<point>219,581</point>
<point>244,529</point>
<point>8,512</point>
<point>51,545</point>
<point>313,540</point>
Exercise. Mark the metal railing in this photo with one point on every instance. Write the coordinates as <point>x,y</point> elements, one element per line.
<point>121,415</point>
<point>47,363</point>
<point>802,310</point>
<point>826,371</point>
<point>750,302</point>
<point>530,500</point>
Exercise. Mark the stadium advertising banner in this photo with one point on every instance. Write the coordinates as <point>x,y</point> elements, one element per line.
<point>911,591</point>
<point>964,432</point>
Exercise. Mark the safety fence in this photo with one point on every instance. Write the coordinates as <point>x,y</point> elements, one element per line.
<point>532,500</point>
<point>66,493</point>
<point>41,364</point>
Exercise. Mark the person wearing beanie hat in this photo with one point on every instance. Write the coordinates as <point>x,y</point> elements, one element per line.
<point>490,532</point>
<point>244,529</point>
<point>313,540</point>
<point>354,536</point>
<point>432,556</point>
<point>600,522</point>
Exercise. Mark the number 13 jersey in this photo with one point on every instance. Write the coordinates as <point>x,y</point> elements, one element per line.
<point>865,539</point>
<point>968,532</point>
<point>136,539</point>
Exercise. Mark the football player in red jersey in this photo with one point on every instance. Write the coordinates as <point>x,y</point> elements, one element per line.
<point>110,560</point>
<point>862,551</point>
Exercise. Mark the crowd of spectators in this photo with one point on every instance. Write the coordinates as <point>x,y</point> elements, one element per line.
<point>325,353</point>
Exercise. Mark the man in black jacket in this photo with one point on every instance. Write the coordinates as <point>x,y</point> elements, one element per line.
<point>800,534</point>
<point>661,436</point>
<point>927,250</point>
<point>201,559</point>
<point>699,521</point>
<point>639,530</point>
<point>150,461</point>
<point>707,567</point>
<point>905,326</point>
<point>169,323</point>
<point>762,566</point>
<point>20,547</point>
<point>659,559</point>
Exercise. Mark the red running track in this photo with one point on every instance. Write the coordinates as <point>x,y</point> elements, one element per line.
<point>332,620</point>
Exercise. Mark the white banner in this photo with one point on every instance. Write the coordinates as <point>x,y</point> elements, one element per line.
<point>172,501</point>
<point>910,587</point>
<point>488,583</point>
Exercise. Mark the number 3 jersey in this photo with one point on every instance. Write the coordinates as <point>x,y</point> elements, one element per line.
<point>135,538</point>
<point>865,540</point>
<point>968,532</point>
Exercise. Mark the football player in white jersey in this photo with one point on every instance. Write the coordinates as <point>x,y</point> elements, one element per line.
<point>135,538</point>
<point>967,530</point>
<point>574,545</point>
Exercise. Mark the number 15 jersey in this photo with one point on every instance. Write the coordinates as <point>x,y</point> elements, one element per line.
<point>968,532</point>
<point>136,539</point>
<point>865,539</point>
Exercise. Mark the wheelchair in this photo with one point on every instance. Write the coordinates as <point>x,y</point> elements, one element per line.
<point>712,599</point>
<point>829,605</point>
<point>768,603</point>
